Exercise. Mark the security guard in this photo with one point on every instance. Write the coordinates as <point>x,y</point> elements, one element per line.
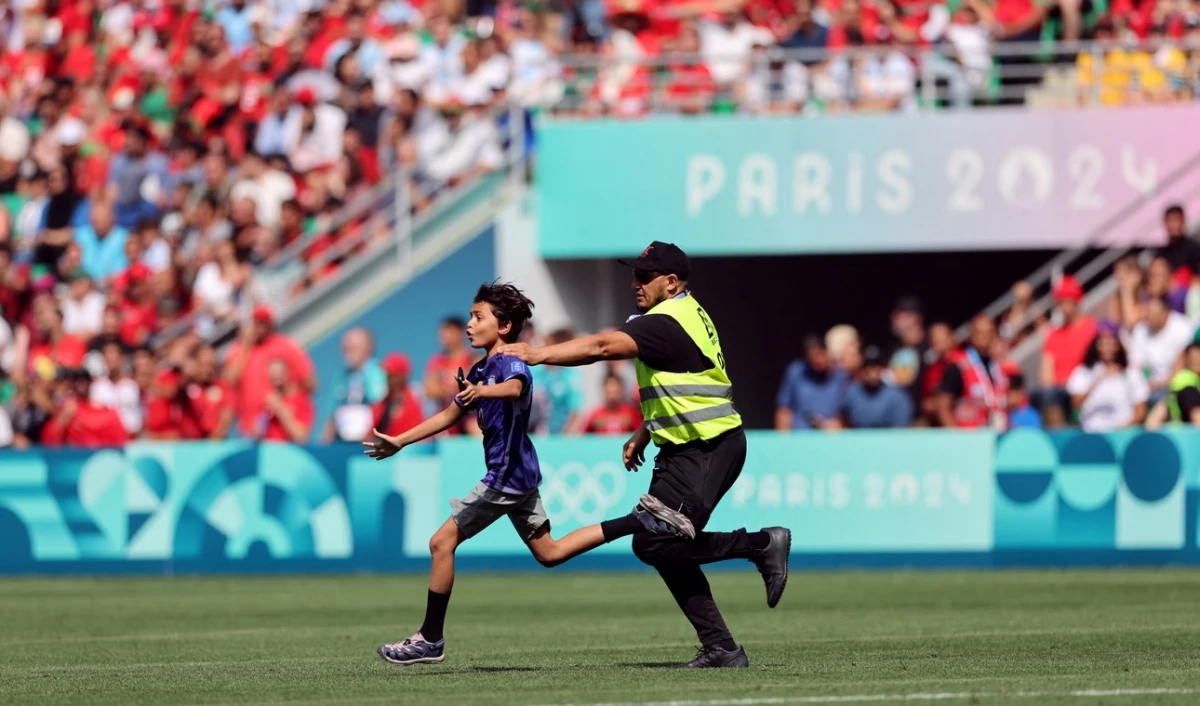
<point>687,405</point>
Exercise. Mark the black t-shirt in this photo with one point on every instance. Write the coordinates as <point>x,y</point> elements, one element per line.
<point>952,380</point>
<point>664,345</point>
<point>1182,252</point>
<point>1188,399</point>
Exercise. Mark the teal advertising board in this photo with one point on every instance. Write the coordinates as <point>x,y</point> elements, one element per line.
<point>899,498</point>
<point>989,180</point>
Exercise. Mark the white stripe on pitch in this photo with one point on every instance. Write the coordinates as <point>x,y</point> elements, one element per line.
<point>938,696</point>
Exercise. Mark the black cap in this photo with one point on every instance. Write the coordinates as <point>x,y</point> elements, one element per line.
<point>662,257</point>
<point>871,355</point>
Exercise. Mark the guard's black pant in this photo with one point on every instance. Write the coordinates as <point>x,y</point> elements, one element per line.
<point>693,478</point>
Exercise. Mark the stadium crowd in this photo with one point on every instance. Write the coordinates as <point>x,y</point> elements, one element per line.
<point>1137,361</point>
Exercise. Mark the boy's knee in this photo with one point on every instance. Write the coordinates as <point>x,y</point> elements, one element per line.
<point>441,544</point>
<point>548,557</point>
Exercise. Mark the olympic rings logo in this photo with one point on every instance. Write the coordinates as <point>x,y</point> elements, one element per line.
<point>573,492</point>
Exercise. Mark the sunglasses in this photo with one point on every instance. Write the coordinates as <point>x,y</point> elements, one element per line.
<point>646,276</point>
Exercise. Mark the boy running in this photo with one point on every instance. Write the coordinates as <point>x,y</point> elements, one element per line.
<point>499,389</point>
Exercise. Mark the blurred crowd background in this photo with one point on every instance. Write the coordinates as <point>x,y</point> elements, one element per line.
<point>167,166</point>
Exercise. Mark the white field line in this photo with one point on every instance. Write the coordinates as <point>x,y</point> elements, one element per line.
<point>341,629</point>
<point>913,698</point>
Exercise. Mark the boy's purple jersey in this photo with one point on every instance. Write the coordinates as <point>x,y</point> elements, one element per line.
<point>512,463</point>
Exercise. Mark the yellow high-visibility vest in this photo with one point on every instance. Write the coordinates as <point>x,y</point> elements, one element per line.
<point>683,407</point>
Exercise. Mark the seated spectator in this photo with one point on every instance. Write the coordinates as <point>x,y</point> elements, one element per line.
<point>974,389</point>
<point>360,384</point>
<point>83,308</point>
<point>968,33</point>
<point>813,391</point>
<point>247,363</point>
<point>399,410</point>
<point>1182,404</point>
<point>102,243</point>
<point>170,414</point>
<point>210,397</point>
<point>48,346</point>
<point>116,389</point>
<point>1155,344</point>
<point>845,348</point>
<point>287,413</point>
<point>615,415</point>
<point>910,352</point>
<point>443,366</point>
<point>727,43</point>
<point>941,344</point>
<point>32,408</point>
<point>691,88</point>
<point>802,31</point>
<point>1021,414</point>
<point>217,288</point>
<point>872,403</point>
<point>1125,306</point>
<point>79,422</point>
<point>1180,250</point>
<point>1063,350</point>
<point>1107,393</point>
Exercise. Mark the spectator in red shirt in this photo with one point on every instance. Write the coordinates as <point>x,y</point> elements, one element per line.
<point>139,309</point>
<point>51,348</point>
<point>169,411</point>
<point>615,416</point>
<point>941,345</point>
<point>399,410</point>
<point>79,422</point>
<point>440,386</point>
<point>287,413</point>
<point>1063,350</point>
<point>248,359</point>
<point>211,397</point>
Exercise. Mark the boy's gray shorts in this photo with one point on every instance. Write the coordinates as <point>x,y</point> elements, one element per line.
<point>483,506</point>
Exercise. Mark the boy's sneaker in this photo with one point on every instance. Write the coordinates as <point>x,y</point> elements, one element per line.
<point>659,519</point>
<point>414,650</point>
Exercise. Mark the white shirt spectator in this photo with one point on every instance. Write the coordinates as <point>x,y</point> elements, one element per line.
<point>6,431</point>
<point>122,395</point>
<point>6,345</point>
<point>14,137</point>
<point>215,292</point>
<point>477,144</point>
<point>83,317</point>
<point>320,146</point>
<point>788,85</point>
<point>268,192</point>
<point>533,72</point>
<point>158,256</point>
<point>443,65</point>
<point>727,50</point>
<point>1112,399</point>
<point>1157,351</point>
<point>972,42</point>
<point>894,78</point>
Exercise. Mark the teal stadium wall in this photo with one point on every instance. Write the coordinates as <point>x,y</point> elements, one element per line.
<point>915,498</point>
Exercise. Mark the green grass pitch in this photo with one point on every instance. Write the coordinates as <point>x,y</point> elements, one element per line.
<point>1046,637</point>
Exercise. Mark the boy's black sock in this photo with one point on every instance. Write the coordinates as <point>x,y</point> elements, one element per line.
<point>435,616</point>
<point>620,527</point>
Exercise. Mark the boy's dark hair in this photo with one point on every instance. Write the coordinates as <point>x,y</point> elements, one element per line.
<point>1173,210</point>
<point>508,304</point>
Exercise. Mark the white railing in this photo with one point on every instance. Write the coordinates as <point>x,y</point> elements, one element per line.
<point>1036,74</point>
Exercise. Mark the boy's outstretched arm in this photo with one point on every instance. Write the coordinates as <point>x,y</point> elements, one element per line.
<point>385,445</point>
